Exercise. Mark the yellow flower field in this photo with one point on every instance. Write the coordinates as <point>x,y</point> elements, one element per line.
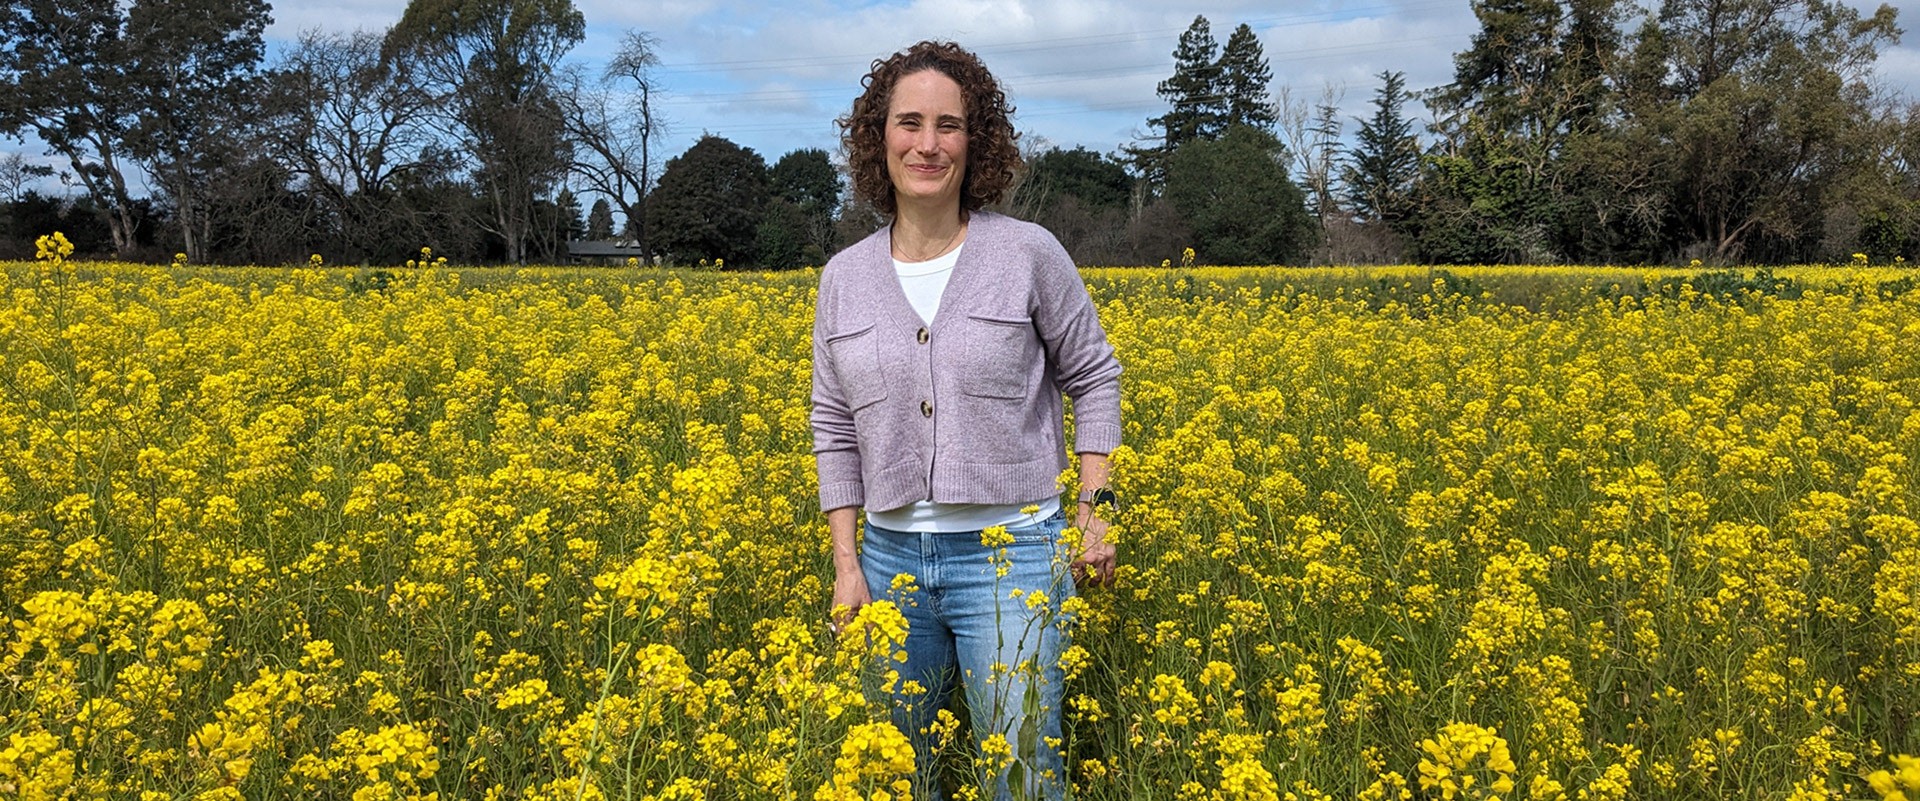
<point>551,534</point>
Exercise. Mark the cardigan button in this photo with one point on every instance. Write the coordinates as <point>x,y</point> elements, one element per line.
<point>926,409</point>
<point>923,336</point>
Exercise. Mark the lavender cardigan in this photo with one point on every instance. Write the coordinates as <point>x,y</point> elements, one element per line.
<point>968,410</point>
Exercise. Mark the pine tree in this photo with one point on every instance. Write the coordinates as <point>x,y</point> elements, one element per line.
<point>1244,75</point>
<point>600,220</point>
<point>1194,89</point>
<point>1506,75</point>
<point>1382,164</point>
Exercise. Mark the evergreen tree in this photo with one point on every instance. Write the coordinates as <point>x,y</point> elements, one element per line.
<point>1084,175</point>
<point>807,180</point>
<point>1244,75</point>
<point>1493,191</point>
<point>1590,42</point>
<point>1235,194</point>
<point>1385,159</point>
<point>1193,91</point>
<point>1482,201</point>
<point>710,202</point>
<point>781,240</point>
<point>600,220</point>
<point>1505,75</point>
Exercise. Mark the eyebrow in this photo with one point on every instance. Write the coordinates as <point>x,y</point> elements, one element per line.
<point>915,115</point>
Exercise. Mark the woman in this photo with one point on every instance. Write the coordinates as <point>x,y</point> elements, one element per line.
<point>941,347</point>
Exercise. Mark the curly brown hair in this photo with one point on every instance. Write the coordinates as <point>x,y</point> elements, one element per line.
<point>993,156</point>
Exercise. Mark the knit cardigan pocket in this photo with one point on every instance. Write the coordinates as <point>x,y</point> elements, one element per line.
<point>997,354</point>
<point>856,362</point>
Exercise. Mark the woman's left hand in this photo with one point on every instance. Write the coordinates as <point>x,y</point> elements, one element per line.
<point>1095,563</point>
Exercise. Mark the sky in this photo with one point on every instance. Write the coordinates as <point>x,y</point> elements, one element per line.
<point>773,76</point>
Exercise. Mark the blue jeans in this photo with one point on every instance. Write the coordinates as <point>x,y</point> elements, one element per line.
<point>964,627</point>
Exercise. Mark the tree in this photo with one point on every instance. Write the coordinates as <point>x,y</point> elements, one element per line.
<point>1238,200</point>
<point>1089,177</point>
<point>258,216</point>
<point>600,220</point>
<point>709,202</point>
<point>1754,106</point>
<point>1083,197</point>
<point>33,215</point>
<point>1495,188</point>
<point>1244,75</point>
<point>195,82</point>
<point>1312,136</point>
<point>806,179</point>
<point>614,124</point>
<point>1483,201</point>
<point>349,125</point>
<point>780,240</point>
<point>1385,158</point>
<point>1589,46</point>
<point>1198,108</point>
<point>1505,76</point>
<point>494,63</point>
<point>556,222</point>
<point>16,173</point>
<point>64,76</point>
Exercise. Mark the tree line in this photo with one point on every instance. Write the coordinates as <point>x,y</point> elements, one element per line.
<point>1572,131</point>
<point>1588,131</point>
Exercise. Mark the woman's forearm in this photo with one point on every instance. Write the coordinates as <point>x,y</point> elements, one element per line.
<point>841,524</point>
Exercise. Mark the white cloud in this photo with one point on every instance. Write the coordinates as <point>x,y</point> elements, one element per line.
<point>773,76</point>
<point>1082,72</point>
<point>291,19</point>
<point>651,15</point>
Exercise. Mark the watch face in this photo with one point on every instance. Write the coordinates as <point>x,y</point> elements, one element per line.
<point>1105,497</point>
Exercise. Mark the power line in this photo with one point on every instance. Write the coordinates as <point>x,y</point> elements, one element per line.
<point>1045,43</point>
<point>770,96</point>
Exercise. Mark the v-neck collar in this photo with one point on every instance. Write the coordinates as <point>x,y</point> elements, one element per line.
<point>963,270</point>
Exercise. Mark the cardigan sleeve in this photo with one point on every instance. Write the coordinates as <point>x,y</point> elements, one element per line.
<point>836,450</point>
<point>1083,360</point>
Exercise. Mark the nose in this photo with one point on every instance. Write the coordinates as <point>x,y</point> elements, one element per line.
<point>927,140</point>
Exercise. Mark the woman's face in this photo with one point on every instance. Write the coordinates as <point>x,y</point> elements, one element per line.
<point>926,139</point>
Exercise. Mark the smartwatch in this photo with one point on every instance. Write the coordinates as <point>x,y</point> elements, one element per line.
<point>1103,496</point>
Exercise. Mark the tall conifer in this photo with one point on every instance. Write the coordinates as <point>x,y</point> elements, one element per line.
<point>1244,75</point>
<point>1194,90</point>
<point>1384,161</point>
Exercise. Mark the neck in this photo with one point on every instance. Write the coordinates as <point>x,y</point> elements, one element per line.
<point>920,234</point>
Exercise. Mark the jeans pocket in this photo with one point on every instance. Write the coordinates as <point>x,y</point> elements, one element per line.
<point>1043,532</point>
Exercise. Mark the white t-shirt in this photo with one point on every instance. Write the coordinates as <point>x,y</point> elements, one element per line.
<point>923,283</point>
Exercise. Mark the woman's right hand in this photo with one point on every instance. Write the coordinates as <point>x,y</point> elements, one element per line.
<point>849,594</point>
